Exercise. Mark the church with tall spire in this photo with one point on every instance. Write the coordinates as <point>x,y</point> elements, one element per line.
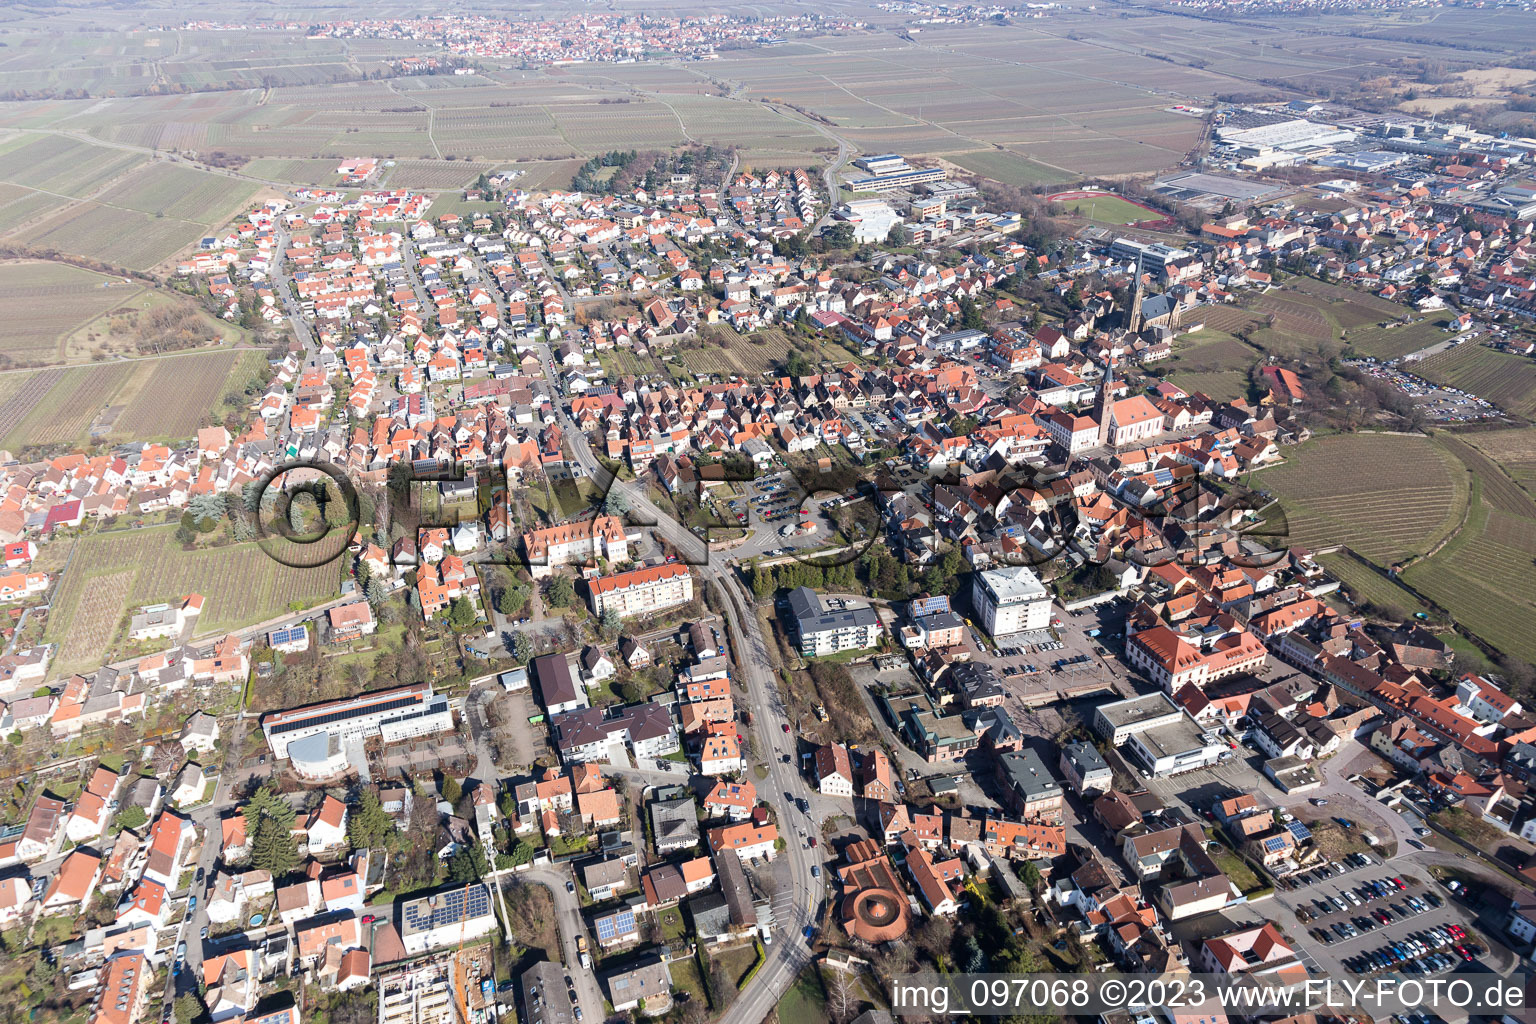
<point>1138,295</point>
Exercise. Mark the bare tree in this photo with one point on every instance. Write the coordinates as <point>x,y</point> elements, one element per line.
<point>842,998</point>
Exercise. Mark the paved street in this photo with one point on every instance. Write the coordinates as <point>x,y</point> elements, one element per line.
<point>589,993</point>
<point>771,738</point>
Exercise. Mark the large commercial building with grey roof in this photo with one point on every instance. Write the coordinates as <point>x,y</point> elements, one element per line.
<point>1157,735</point>
<point>818,630</point>
<point>1119,721</point>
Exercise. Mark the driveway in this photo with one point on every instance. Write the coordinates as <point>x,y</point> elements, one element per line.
<point>589,993</point>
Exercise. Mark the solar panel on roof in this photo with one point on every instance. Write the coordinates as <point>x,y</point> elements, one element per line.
<point>620,923</point>
<point>342,716</point>
<point>1299,831</point>
<point>1274,844</point>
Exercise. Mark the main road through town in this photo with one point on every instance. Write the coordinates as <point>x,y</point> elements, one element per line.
<point>771,740</point>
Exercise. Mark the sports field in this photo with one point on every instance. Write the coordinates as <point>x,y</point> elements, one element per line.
<point>1102,207</point>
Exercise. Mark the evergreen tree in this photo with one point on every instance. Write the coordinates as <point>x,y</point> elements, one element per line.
<point>461,614</point>
<point>511,600</point>
<point>522,647</point>
<point>368,826</point>
<point>615,502</point>
<point>611,620</point>
<point>451,789</point>
<point>376,593</point>
<point>269,827</point>
<point>562,591</point>
<point>762,582</point>
<point>466,865</point>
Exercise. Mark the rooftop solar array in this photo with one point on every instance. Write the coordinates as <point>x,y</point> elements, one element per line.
<point>447,908</point>
<point>618,923</point>
<point>348,714</point>
<point>1299,831</point>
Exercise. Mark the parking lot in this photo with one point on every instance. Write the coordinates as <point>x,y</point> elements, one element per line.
<point>1410,910</point>
<point>1445,404</point>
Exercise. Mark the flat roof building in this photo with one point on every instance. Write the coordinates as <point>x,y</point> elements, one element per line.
<point>1175,747</point>
<point>1124,718</point>
<point>1011,600</point>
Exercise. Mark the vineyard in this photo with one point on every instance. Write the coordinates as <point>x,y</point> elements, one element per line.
<point>1392,342</point>
<point>63,413</point>
<point>1296,325</point>
<point>1227,319</point>
<point>1387,497</point>
<point>178,397</point>
<point>21,400</point>
<point>1367,584</point>
<point>115,572</point>
<point>727,353</point>
<point>94,619</point>
<point>1515,450</point>
<point>1508,381</point>
<point>1483,575</point>
<point>46,301</point>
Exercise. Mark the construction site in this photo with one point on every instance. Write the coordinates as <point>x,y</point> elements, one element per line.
<point>447,988</point>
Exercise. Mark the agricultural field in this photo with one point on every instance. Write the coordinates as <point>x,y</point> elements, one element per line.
<point>45,302</point>
<point>1483,575</point>
<point>1211,362</point>
<point>1387,497</point>
<point>65,412</point>
<point>1394,342</point>
<point>1009,168</point>
<point>113,573</point>
<point>1515,450</point>
<point>1508,381</point>
<point>180,395</point>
